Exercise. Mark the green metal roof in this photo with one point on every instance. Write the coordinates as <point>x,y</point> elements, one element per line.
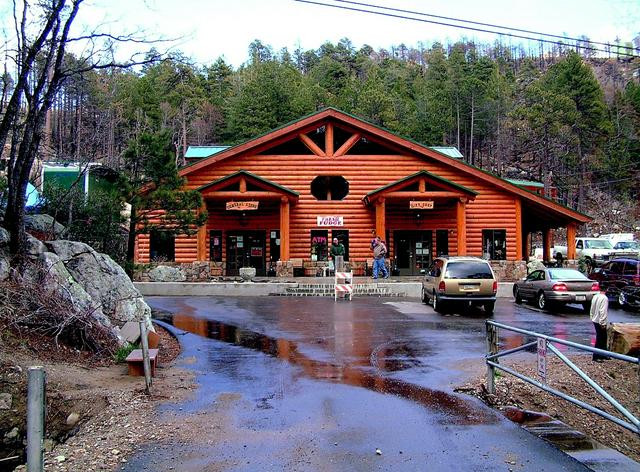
<point>525,183</point>
<point>200,152</point>
<point>253,176</point>
<point>450,151</point>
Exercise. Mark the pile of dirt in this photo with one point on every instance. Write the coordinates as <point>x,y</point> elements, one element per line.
<point>619,379</point>
<point>86,394</point>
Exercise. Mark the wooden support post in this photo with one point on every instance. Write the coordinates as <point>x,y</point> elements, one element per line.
<point>313,147</point>
<point>492,348</point>
<point>461,216</point>
<point>328,139</point>
<point>146,363</point>
<point>571,241</point>
<point>519,238</point>
<point>36,401</point>
<point>527,245</point>
<point>380,218</point>
<point>202,237</point>
<point>547,242</point>
<point>284,229</point>
<point>348,144</point>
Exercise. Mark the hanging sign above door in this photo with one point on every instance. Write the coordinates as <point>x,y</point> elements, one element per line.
<point>330,221</point>
<point>242,206</point>
<point>421,205</point>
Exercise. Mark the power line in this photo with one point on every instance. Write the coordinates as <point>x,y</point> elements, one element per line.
<point>392,15</point>
<point>490,25</point>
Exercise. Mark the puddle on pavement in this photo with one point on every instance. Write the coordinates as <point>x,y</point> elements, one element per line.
<point>455,410</point>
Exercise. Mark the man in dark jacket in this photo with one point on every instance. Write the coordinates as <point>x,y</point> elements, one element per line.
<point>337,254</point>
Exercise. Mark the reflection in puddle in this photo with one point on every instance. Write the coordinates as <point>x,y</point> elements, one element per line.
<point>455,409</point>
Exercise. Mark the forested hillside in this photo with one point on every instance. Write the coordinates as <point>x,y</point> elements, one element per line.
<point>560,118</point>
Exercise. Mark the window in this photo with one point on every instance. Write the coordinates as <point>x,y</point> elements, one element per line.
<point>494,244</point>
<point>442,242</point>
<point>343,237</point>
<point>616,267</point>
<point>215,246</point>
<point>329,187</point>
<point>319,247</point>
<point>631,268</point>
<point>162,246</point>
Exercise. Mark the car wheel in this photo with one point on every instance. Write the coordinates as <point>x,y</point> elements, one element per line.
<point>517,296</point>
<point>438,305</point>
<point>489,307</point>
<point>425,298</point>
<point>542,301</point>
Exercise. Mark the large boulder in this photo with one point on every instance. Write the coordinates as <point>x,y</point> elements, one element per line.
<point>66,285</point>
<point>166,274</point>
<point>104,280</point>
<point>44,227</point>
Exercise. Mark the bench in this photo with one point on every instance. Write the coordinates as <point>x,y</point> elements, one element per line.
<point>136,365</point>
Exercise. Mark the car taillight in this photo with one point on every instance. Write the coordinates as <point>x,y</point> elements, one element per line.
<point>595,287</point>
<point>559,287</point>
<point>441,286</point>
<point>636,280</point>
<point>495,286</point>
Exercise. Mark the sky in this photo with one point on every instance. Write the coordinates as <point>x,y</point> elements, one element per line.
<point>209,29</point>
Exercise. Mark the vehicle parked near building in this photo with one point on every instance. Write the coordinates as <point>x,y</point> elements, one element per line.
<point>459,281</point>
<point>596,251</point>
<point>617,275</point>
<point>556,286</point>
<point>627,246</point>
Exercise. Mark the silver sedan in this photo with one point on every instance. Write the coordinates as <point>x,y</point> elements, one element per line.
<point>556,286</point>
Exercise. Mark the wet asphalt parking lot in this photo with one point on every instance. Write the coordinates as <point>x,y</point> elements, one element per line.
<point>289,383</point>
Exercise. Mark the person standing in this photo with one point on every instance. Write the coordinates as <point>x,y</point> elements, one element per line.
<point>379,254</point>
<point>337,254</point>
<point>598,314</point>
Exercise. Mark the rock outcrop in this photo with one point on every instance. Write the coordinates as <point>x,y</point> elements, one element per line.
<point>91,281</point>
<point>44,227</point>
<point>104,280</point>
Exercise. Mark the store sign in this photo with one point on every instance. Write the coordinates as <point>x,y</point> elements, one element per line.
<point>242,206</point>
<point>330,221</point>
<point>542,358</point>
<point>421,205</point>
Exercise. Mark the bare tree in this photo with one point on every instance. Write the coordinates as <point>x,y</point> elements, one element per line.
<point>43,35</point>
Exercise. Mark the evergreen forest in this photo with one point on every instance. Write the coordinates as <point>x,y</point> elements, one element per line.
<point>563,118</point>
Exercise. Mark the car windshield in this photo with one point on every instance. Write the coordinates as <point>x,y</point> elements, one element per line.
<point>468,270</point>
<point>566,274</point>
<point>597,244</point>
<point>628,245</point>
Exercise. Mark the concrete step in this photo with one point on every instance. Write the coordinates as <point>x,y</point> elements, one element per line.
<point>327,290</point>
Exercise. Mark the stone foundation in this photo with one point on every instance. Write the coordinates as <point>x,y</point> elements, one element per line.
<point>190,272</point>
<point>509,271</point>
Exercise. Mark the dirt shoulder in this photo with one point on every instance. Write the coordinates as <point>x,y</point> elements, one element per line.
<point>619,379</point>
<point>96,414</point>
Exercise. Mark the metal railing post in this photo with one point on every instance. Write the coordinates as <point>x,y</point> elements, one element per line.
<point>36,402</point>
<point>492,348</point>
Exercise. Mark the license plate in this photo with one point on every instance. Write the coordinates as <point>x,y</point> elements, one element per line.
<point>469,287</point>
<point>580,298</point>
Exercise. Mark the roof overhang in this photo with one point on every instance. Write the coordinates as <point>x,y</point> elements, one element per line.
<point>421,185</point>
<point>237,186</point>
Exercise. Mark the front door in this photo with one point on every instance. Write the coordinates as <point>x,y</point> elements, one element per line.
<point>246,249</point>
<point>413,251</point>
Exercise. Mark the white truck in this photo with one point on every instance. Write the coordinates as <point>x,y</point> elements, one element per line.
<point>596,250</point>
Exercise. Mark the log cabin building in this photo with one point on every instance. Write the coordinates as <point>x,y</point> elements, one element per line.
<point>278,200</point>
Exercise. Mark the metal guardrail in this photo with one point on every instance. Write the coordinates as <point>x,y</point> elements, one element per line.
<point>631,422</point>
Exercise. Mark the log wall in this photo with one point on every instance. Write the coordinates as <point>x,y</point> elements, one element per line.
<point>492,208</point>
